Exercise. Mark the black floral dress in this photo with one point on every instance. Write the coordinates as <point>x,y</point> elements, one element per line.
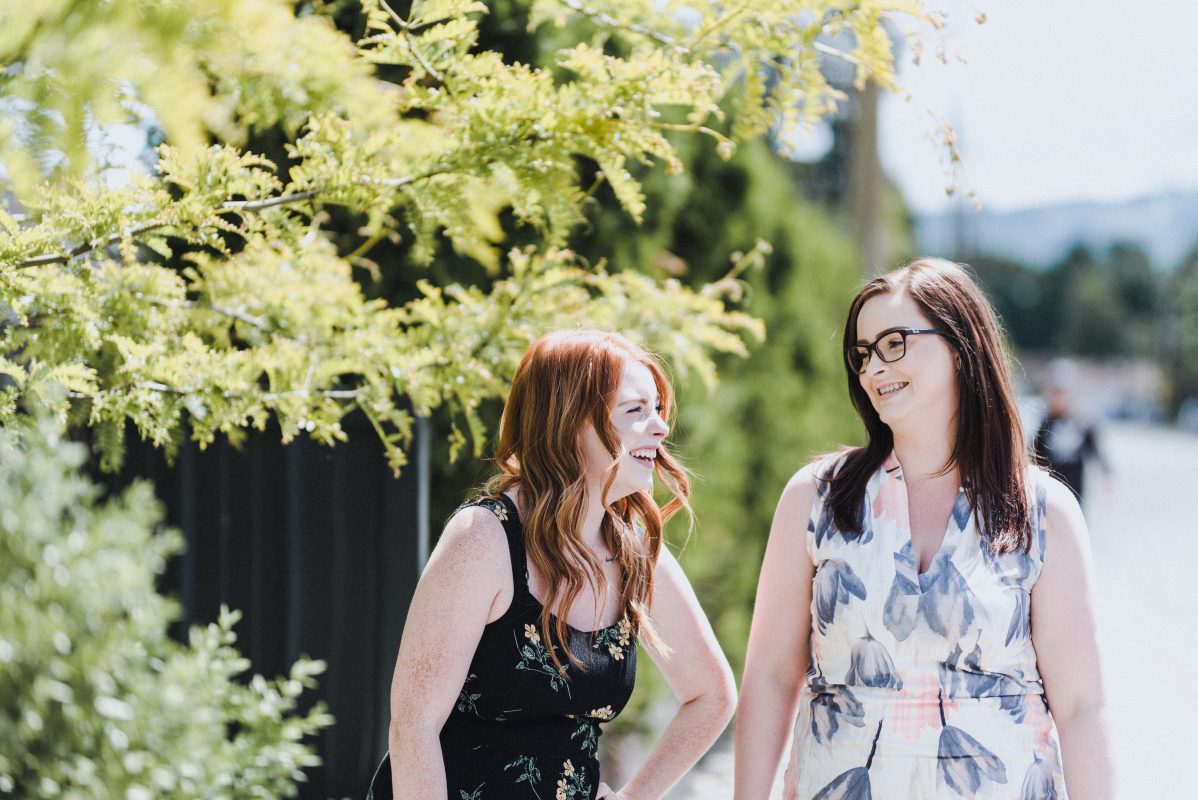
<point>521,730</point>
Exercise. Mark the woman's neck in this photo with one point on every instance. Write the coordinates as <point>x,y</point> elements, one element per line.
<point>924,456</point>
<point>590,531</point>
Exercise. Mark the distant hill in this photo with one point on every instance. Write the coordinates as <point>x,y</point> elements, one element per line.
<point>1165,225</point>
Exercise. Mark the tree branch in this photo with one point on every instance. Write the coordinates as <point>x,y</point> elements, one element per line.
<point>268,397</point>
<point>828,50</point>
<point>62,258</point>
<point>269,202</point>
<point>405,28</point>
<point>239,206</point>
<point>609,21</point>
<point>249,319</point>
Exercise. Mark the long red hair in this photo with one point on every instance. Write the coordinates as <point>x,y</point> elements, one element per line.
<point>565,380</point>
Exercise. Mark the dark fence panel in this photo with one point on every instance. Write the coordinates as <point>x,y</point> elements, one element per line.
<point>320,549</point>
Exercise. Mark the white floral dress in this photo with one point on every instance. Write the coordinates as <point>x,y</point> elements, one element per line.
<point>922,685</point>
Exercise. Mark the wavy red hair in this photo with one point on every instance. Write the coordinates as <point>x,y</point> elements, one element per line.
<point>564,381</point>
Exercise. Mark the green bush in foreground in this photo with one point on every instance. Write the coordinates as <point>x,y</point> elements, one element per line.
<point>96,701</point>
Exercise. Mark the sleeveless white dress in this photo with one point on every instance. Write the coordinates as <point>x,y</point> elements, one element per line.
<point>922,685</point>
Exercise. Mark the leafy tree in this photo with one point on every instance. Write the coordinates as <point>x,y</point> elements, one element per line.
<point>1094,319</point>
<point>1018,295</point>
<point>1134,277</point>
<point>240,280</point>
<point>95,699</point>
<point>209,292</point>
<point>1140,290</point>
<point>1184,303</point>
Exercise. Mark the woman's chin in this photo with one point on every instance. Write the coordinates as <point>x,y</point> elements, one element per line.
<point>626,490</point>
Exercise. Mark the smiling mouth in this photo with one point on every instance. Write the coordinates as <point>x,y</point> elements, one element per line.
<point>886,391</point>
<point>644,457</point>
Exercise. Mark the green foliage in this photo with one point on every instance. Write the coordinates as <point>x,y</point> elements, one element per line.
<point>95,699</point>
<point>210,296</point>
<point>1093,319</point>
<point>1097,307</point>
<point>1184,307</point>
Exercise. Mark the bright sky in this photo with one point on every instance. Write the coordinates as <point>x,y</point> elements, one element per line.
<point>1059,100</point>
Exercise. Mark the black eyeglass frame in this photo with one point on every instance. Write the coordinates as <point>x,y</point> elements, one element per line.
<point>872,348</point>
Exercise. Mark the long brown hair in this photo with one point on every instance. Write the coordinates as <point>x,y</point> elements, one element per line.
<point>565,380</point>
<point>989,450</point>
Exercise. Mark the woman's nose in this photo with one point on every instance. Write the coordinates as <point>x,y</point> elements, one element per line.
<point>658,427</point>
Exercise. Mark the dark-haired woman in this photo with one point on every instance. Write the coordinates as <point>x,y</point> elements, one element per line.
<point>925,600</point>
<point>521,638</point>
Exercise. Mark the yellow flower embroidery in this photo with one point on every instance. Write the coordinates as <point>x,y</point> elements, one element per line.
<point>530,633</point>
<point>604,713</point>
<point>568,767</point>
<point>625,631</point>
<point>616,652</point>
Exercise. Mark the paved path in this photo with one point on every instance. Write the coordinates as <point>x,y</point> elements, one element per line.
<point>1145,542</point>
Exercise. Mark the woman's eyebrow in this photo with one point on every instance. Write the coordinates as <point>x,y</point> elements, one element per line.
<point>880,335</point>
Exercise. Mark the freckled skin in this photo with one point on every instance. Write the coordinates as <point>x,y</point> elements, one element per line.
<point>468,583</point>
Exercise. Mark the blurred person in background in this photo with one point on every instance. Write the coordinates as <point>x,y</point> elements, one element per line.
<point>1065,441</point>
<point>926,599</point>
<point>521,639</point>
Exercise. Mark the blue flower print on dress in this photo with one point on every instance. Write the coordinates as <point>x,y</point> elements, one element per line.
<point>1015,704</point>
<point>853,784</point>
<point>823,523</point>
<point>962,510</point>
<point>962,762</point>
<point>1012,569</point>
<point>902,605</point>
<point>964,677</point>
<point>824,526</point>
<point>958,639</point>
<point>871,665</point>
<point>1021,618</point>
<point>947,601</point>
<point>1015,569</point>
<point>834,583</point>
<point>830,708</point>
<point>1039,783</point>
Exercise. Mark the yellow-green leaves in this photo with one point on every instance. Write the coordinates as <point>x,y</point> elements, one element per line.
<point>207,291</point>
<point>199,68</point>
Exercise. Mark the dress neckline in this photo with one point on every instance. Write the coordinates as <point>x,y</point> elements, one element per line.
<point>892,470</point>
<point>518,534</point>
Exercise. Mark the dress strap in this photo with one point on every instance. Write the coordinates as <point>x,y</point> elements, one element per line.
<point>515,544</point>
<point>505,510</point>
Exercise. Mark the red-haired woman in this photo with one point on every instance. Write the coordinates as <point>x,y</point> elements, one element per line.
<point>925,599</point>
<point>521,637</point>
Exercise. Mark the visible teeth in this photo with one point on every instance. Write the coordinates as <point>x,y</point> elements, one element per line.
<point>644,453</point>
<point>891,389</point>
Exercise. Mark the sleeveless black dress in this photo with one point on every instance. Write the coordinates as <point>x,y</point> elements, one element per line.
<point>519,729</point>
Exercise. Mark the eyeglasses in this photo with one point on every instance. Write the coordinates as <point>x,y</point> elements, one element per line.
<point>890,347</point>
